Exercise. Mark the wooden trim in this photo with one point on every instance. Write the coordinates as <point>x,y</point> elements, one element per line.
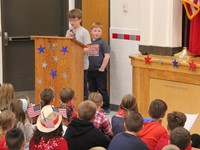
<point>159,50</point>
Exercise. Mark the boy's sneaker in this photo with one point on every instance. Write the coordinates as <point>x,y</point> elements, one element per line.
<point>106,111</point>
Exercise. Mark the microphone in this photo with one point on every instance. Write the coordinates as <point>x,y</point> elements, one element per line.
<point>73,33</point>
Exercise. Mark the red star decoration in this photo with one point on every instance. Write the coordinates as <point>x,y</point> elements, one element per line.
<point>192,66</point>
<point>147,60</point>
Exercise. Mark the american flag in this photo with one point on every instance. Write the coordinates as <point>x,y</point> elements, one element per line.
<point>48,122</point>
<point>63,112</point>
<point>34,111</point>
<point>60,111</point>
<point>192,7</point>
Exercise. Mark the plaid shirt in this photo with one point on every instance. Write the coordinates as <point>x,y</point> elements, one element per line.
<point>102,123</point>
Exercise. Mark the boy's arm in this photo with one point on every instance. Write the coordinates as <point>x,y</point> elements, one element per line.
<point>87,49</point>
<point>105,62</point>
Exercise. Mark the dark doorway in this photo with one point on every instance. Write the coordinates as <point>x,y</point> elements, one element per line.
<point>20,20</point>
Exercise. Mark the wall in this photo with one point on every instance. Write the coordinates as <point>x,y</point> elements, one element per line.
<point>157,23</point>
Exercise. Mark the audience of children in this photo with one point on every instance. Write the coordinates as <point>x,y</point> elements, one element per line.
<point>100,121</point>
<point>84,127</point>
<point>6,96</point>
<point>98,60</point>
<point>127,105</point>
<point>48,135</point>
<point>153,129</point>
<point>15,139</point>
<point>128,140</point>
<point>180,137</point>
<point>7,119</point>
<point>81,133</point>
<point>174,119</point>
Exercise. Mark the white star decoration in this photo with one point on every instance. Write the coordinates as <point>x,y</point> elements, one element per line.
<point>56,58</point>
<point>44,65</point>
<point>40,81</point>
<point>65,75</point>
<point>160,61</point>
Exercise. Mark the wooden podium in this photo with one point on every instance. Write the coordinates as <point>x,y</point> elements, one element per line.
<point>178,86</point>
<point>58,63</point>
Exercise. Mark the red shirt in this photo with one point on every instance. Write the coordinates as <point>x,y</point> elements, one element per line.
<point>55,143</point>
<point>151,133</point>
<point>3,143</point>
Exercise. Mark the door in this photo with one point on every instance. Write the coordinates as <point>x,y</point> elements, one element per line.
<point>20,20</point>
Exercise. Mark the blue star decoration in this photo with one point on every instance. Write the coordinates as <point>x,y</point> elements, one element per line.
<point>64,50</point>
<point>175,63</point>
<point>41,49</point>
<point>53,73</point>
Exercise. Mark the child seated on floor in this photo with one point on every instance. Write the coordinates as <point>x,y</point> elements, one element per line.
<point>174,119</point>
<point>81,133</point>
<point>67,99</point>
<point>128,140</point>
<point>15,139</point>
<point>127,105</point>
<point>47,96</point>
<point>180,137</point>
<point>100,121</point>
<point>7,119</point>
<point>153,129</point>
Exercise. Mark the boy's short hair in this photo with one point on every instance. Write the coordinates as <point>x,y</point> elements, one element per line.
<point>86,110</point>
<point>170,147</point>
<point>96,98</point>
<point>180,137</point>
<point>96,25</point>
<point>66,94</point>
<point>75,13</point>
<point>157,108</point>
<point>133,121</point>
<point>176,119</point>
<point>14,139</point>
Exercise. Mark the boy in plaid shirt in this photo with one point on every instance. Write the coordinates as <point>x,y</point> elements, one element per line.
<point>100,121</point>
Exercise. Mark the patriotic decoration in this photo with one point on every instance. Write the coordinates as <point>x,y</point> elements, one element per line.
<point>192,7</point>
<point>175,63</point>
<point>60,111</point>
<point>147,60</point>
<point>34,111</point>
<point>64,50</point>
<point>126,36</point>
<point>41,49</point>
<point>192,66</point>
<point>48,122</point>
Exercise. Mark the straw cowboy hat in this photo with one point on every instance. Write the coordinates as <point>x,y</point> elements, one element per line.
<point>48,120</point>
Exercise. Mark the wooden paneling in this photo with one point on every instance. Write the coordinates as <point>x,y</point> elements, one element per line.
<point>178,96</point>
<point>69,64</point>
<point>179,87</point>
<point>96,11</point>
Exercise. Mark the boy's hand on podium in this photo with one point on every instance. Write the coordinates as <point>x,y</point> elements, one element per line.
<point>86,50</point>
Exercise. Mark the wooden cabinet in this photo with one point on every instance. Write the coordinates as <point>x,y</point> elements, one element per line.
<point>178,87</point>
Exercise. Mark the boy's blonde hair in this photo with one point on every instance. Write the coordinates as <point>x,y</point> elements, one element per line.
<point>96,25</point>
<point>7,118</point>
<point>75,13</point>
<point>96,98</point>
<point>86,110</point>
